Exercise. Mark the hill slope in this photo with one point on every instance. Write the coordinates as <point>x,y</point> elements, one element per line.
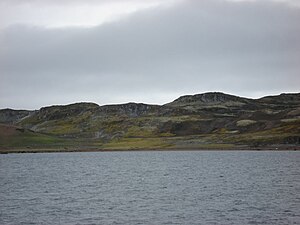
<point>209,120</point>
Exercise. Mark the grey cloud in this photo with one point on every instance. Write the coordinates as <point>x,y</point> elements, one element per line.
<point>249,48</point>
<point>63,2</point>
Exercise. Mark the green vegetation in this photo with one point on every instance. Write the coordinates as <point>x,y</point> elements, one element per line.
<point>29,140</point>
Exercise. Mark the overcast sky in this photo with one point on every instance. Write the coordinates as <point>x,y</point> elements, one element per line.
<point>151,51</point>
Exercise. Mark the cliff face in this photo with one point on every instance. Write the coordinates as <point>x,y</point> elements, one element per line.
<point>208,98</point>
<point>209,118</point>
<point>129,109</point>
<point>10,116</point>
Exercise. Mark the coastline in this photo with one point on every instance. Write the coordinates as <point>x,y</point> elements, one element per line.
<point>72,150</point>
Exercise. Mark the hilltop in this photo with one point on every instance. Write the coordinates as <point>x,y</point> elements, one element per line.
<point>211,120</point>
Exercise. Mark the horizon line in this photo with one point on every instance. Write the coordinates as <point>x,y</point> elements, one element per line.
<point>154,104</point>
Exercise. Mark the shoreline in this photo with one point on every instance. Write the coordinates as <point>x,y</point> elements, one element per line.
<point>58,150</point>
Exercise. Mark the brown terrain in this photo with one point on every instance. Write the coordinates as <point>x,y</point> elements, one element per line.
<point>204,121</point>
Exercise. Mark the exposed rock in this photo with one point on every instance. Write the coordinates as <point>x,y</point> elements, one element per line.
<point>129,109</point>
<point>210,97</point>
<point>10,116</point>
<point>61,112</point>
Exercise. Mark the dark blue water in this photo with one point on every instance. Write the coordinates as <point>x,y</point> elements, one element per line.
<point>210,187</point>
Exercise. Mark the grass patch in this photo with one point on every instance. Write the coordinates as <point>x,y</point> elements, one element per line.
<point>135,131</point>
<point>29,139</point>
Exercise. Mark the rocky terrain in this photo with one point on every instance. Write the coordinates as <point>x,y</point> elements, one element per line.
<point>204,121</point>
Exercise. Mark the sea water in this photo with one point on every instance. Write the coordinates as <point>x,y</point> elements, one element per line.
<point>151,187</point>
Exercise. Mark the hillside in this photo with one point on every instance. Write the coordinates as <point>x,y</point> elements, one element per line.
<point>204,121</point>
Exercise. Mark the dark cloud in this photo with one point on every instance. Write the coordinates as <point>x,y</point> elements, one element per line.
<point>249,49</point>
